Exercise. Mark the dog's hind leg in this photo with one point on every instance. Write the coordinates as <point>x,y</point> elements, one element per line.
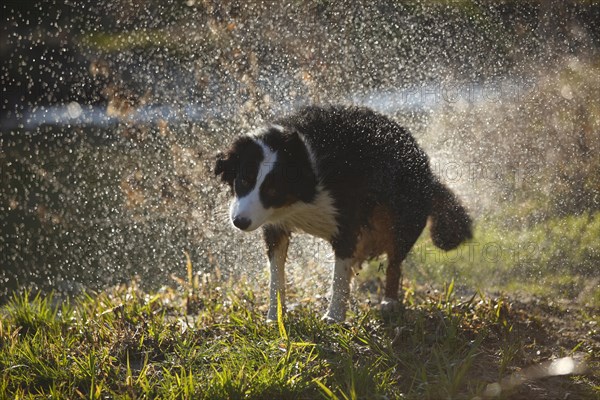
<point>393,276</point>
<point>406,233</point>
<point>277,240</point>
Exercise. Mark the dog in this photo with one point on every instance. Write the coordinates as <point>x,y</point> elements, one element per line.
<point>348,175</point>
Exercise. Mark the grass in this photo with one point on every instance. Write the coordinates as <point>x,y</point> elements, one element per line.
<point>557,258</point>
<point>209,340</point>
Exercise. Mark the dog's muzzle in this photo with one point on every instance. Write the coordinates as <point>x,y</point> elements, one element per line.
<point>241,223</point>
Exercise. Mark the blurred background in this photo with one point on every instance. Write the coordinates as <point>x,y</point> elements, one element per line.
<point>112,111</point>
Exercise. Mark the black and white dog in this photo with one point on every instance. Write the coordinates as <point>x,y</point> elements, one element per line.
<point>345,174</point>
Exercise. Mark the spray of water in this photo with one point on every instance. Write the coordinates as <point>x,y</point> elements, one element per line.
<point>112,112</point>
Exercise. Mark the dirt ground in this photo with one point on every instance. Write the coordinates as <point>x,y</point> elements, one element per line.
<point>552,342</point>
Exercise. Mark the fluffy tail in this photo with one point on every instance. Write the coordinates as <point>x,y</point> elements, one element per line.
<point>450,223</point>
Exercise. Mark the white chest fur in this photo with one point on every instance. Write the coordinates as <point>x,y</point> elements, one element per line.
<point>317,218</point>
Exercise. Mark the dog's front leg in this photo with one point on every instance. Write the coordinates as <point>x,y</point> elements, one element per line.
<point>277,241</point>
<point>340,290</point>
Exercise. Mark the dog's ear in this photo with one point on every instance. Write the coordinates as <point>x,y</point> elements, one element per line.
<point>304,180</point>
<point>225,167</point>
<point>220,163</point>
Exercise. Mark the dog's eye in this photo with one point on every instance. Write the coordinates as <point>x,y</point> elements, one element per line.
<point>244,182</point>
<point>271,192</point>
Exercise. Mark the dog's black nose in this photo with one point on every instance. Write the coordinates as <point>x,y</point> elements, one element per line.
<point>241,223</point>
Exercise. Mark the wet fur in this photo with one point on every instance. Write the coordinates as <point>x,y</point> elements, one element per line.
<point>351,176</point>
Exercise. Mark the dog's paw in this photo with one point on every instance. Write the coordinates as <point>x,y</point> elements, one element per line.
<point>272,316</point>
<point>389,307</point>
<point>333,317</point>
<point>328,320</point>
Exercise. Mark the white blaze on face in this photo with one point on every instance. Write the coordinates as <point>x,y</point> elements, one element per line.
<point>249,206</point>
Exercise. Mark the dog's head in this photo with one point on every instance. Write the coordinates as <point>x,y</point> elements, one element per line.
<point>267,172</point>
